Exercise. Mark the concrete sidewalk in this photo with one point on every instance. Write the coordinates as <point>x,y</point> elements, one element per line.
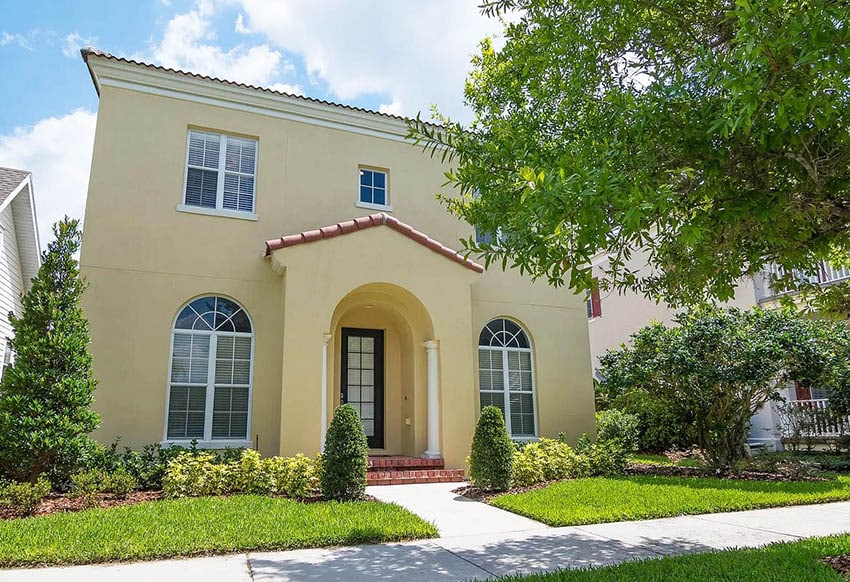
<point>484,555</point>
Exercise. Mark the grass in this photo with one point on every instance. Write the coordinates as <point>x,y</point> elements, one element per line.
<point>606,499</point>
<point>776,562</point>
<point>206,525</point>
<point>662,460</point>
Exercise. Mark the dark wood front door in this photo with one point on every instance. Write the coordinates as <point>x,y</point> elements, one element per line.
<point>363,379</point>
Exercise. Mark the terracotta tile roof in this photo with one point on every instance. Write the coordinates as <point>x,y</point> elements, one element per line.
<point>364,222</point>
<point>86,52</point>
<point>9,180</point>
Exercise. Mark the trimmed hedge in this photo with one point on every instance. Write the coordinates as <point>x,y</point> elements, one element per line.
<point>199,474</point>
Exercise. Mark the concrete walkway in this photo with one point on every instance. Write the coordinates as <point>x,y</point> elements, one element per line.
<point>454,515</point>
<point>477,555</point>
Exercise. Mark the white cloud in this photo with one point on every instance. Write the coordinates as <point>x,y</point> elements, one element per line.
<point>417,51</point>
<point>17,39</point>
<point>287,88</point>
<point>57,150</point>
<point>188,43</point>
<point>73,42</point>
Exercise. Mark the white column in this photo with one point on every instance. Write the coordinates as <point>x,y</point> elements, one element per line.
<point>324,422</point>
<point>433,451</point>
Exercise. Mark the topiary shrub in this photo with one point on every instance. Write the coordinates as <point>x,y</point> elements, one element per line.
<point>491,460</point>
<point>345,458</point>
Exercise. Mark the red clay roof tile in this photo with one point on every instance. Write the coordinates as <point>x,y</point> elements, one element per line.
<point>364,222</point>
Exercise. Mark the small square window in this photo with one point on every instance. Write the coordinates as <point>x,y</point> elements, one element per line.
<point>373,187</point>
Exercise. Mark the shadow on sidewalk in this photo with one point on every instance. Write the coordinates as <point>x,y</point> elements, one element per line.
<point>460,559</point>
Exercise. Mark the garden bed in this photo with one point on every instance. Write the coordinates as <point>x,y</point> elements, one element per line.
<point>201,526</point>
<point>733,474</point>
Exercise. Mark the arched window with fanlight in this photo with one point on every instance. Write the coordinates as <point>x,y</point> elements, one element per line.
<point>506,375</point>
<point>211,373</point>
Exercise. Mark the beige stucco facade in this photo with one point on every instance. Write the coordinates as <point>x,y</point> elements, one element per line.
<point>145,259</point>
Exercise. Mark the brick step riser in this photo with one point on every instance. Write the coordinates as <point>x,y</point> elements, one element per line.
<point>404,464</point>
<point>421,476</point>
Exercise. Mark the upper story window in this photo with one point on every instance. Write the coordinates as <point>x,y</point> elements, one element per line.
<point>374,190</point>
<point>220,173</point>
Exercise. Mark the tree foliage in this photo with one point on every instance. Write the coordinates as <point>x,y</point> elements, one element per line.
<point>46,392</point>
<point>716,368</point>
<point>710,134</point>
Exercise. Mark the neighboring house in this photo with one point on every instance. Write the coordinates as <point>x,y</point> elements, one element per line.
<point>613,317</point>
<point>20,256</point>
<point>255,258</point>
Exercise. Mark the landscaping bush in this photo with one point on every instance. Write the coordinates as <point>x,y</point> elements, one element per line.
<point>201,474</point>
<point>491,460</point>
<point>87,485</point>
<point>545,460</point>
<point>603,459</point>
<point>618,427</point>
<point>659,428</point>
<point>24,497</point>
<point>296,477</point>
<point>345,458</point>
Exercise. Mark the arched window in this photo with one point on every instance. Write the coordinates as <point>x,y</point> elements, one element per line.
<point>506,375</point>
<point>209,392</point>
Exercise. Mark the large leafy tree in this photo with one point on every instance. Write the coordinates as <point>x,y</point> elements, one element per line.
<point>710,134</point>
<point>717,367</point>
<point>46,394</point>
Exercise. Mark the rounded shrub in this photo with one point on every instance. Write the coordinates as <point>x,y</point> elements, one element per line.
<point>618,427</point>
<point>492,454</point>
<point>345,458</point>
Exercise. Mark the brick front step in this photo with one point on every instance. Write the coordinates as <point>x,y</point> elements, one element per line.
<point>400,463</point>
<point>415,476</point>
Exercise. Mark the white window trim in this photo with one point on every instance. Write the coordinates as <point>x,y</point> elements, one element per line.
<point>217,444</point>
<point>506,380</point>
<point>370,206</point>
<point>208,442</point>
<point>217,212</point>
<point>219,209</point>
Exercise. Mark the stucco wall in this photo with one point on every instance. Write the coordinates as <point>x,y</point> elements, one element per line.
<point>144,260</point>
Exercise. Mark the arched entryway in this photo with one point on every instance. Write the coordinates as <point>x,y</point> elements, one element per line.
<point>378,362</point>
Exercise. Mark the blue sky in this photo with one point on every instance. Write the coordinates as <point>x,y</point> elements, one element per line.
<point>389,55</point>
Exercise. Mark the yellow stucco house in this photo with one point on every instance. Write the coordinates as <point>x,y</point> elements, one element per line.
<point>255,258</point>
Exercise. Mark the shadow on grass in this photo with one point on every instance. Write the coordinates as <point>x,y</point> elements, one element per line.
<point>463,560</point>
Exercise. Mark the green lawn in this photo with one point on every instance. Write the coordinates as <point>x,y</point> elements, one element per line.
<point>605,499</point>
<point>657,459</point>
<point>204,525</point>
<point>777,562</point>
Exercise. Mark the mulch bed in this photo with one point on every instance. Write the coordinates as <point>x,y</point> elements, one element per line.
<point>840,564</point>
<point>56,503</point>
<point>743,475</point>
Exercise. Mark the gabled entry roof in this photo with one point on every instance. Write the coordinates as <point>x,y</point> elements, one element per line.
<point>364,222</point>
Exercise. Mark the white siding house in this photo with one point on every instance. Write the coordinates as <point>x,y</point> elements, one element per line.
<point>20,255</point>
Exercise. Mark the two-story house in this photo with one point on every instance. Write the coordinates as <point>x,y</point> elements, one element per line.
<point>255,258</point>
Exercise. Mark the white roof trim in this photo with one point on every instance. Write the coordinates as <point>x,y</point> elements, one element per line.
<point>18,189</point>
<point>109,72</point>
